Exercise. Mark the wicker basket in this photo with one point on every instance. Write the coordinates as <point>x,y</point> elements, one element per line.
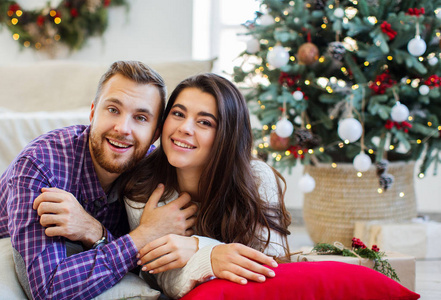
<point>341,198</point>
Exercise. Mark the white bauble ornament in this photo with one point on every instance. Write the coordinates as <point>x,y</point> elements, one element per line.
<point>278,57</point>
<point>306,183</point>
<point>416,46</point>
<point>399,112</point>
<point>266,20</point>
<point>284,128</point>
<point>339,13</point>
<point>298,120</point>
<point>438,12</point>
<point>297,95</point>
<point>362,162</point>
<point>433,61</point>
<point>424,90</point>
<point>350,129</point>
<point>253,46</point>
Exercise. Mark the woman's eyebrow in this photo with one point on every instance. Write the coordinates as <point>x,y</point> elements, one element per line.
<point>201,113</point>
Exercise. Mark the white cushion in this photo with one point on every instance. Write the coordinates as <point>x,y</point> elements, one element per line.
<point>9,286</point>
<point>130,287</point>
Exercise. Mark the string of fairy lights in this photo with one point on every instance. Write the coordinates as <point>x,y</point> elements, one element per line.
<point>71,22</point>
<point>280,56</point>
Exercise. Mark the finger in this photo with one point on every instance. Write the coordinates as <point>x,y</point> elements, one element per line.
<point>156,195</point>
<point>255,255</point>
<point>49,208</point>
<point>170,266</point>
<point>190,210</point>
<point>189,232</point>
<point>253,271</point>
<point>154,254</point>
<point>190,222</point>
<point>181,201</point>
<point>46,197</point>
<point>233,277</point>
<point>152,245</point>
<point>47,220</point>
<point>52,189</point>
<point>54,231</point>
<point>160,262</point>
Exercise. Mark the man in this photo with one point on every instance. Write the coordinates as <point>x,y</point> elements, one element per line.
<point>61,191</point>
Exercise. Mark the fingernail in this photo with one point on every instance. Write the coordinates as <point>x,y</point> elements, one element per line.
<point>138,255</point>
<point>160,185</point>
<point>138,262</point>
<point>243,281</point>
<point>274,264</point>
<point>261,278</point>
<point>144,269</point>
<point>271,274</point>
<point>152,271</point>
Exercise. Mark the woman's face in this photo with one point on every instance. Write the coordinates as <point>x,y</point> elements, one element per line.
<point>190,129</point>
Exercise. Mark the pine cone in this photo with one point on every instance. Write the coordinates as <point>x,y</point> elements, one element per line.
<point>386,181</point>
<point>382,167</point>
<point>306,139</point>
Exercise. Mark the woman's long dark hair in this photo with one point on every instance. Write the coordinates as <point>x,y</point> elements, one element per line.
<point>231,209</point>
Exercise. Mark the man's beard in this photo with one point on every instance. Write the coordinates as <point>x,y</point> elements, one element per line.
<point>110,164</point>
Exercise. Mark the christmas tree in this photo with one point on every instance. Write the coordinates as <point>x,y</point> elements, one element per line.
<point>344,81</point>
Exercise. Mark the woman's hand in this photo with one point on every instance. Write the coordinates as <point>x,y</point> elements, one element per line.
<point>239,263</point>
<point>168,252</point>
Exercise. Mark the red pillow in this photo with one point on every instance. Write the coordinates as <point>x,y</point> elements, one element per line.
<point>309,280</point>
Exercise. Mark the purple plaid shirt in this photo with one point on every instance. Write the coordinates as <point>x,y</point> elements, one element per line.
<point>61,159</point>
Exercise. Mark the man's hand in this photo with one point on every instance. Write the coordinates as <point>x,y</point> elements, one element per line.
<point>62,215</point>
<point>168,252</point>
<point>239,263</point>
<point>176,217</point>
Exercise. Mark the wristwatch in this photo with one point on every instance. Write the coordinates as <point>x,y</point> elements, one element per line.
<point>102,241</point>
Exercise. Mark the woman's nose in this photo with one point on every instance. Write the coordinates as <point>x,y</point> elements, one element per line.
<point>187,127</point>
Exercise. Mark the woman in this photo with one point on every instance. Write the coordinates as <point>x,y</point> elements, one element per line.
<point>205,152</point>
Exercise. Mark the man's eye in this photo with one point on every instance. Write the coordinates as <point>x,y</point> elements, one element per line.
<point>141,118</point>
<point>112,110</point>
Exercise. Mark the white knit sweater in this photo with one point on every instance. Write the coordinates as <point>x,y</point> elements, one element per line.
<point>178,282</point>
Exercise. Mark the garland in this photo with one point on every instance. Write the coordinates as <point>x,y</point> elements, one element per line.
<point>359,249</point>
<point>70,23</point>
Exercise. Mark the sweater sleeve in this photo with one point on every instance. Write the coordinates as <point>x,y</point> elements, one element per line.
<point>269,192</point>
<point>178,282</point>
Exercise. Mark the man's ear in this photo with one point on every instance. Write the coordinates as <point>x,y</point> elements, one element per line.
<point>92,111</point>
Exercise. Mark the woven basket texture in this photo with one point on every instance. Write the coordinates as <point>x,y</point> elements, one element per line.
<point>341,198</point>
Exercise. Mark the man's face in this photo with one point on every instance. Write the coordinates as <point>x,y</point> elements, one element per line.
<point>123,124</point>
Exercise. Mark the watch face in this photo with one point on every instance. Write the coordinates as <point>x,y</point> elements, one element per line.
<point>100,243</point>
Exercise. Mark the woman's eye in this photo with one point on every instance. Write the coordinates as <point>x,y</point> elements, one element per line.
<point>205,123</point>
<point>177,114</point>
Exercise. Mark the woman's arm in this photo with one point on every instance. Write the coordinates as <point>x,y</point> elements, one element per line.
<point>234,262</point>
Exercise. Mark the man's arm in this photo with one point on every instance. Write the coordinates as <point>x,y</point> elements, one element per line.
<point>62,215</point>
<point>49,270</point>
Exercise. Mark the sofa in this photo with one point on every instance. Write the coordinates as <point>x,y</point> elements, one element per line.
<point>38,97</point>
